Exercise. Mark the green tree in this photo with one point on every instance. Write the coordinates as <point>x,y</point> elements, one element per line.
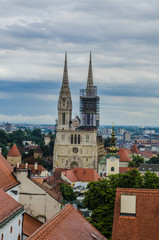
<point>153,160</point>
<point>137,161</point>
<point>67,192</point>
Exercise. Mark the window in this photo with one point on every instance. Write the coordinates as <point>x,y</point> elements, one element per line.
<point>87,138</point>
<point>75,139</point>
<point>11,229</point>
<point>63,118</point>
<point>128,205</point>
<point>75,150</point>
<point>112,169</point>
<point>2,236</point>
<point>71,138</point>
<point>19,237</point>
<point>79,139</point>
<point>19,222</point>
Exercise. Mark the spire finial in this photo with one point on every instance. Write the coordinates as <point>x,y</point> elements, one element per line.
<point>65,74</point>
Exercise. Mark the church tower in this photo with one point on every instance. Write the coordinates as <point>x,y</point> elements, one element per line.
<point>64,102</point>
<point>89,103</point>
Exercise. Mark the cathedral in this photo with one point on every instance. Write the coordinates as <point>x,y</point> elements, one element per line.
<point>77,143</point>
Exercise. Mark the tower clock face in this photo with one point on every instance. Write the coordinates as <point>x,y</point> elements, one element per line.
<point>112,159</point>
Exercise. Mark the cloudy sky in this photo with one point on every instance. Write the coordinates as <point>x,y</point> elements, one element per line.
<point>123,36</point>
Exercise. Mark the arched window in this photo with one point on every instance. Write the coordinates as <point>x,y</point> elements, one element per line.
<point>2,236</point>
<point>71,138</point>
<point>63,118</point>
<point>79,139</point>
<point>11,229</point>
<point>75,139</point>
<point>112,169</point>
<point>19,237</point>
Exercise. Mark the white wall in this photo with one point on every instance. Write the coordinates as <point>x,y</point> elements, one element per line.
<point>17,229</point>
<point>12,192</point>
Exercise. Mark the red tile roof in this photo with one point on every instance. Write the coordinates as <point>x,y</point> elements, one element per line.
<point>39,169</point>
<point>7,180</point>
<point>124,157</point>
<point>68,224</point>
<point>58,171</point>
<point>147,154</point>
<point>70,175</point>
<point>145,224</point>
<point>14,152</point>
<point>8,206</point>
<point>129,151</point>
<point>126,169</point>
<point>30,224</point>
<point>134,149</point>
<point>82,174</point>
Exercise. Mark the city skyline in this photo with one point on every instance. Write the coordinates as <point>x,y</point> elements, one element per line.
<point>122,36</point>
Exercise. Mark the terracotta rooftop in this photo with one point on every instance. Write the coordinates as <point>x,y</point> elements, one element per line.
<point>142,226</point>
<point>82,174</point>
<point>7,180</point>
<point>129,151</point>
<point>39,169</point>
<point>8,206</point>
<point>126,169</point>
<point>124,157</point>
<point>30,224</point>
<point>68,224</point>
<point>14,152</point>
<point>147,154</point>
<point>58,171</point>
<point>134,149</point>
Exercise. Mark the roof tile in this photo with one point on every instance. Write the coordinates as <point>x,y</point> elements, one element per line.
<point>14,152</point>
<point>68,224</point>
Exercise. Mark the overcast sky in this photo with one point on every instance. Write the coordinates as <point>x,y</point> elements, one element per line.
<point>123,36</point>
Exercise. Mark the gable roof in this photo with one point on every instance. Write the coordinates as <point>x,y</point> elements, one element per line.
<point>14,152</point>
<point>135,149</point>
<point>30,224</point>
<point>142,226</point>
<point>7,179</point>
<point>82,174</point>
<point>8,206</point>
<point>68,224</point>
<point>124,157</point>
<point>58,171</point>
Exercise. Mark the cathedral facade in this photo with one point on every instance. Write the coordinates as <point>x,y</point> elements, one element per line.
<point>76,139</point>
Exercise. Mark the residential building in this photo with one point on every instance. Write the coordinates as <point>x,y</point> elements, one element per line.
<point>38,201</point>
<point>11,217</point>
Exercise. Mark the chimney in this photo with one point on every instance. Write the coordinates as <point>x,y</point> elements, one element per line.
<point>17,164</point>
<point>26,165</point>
<point>35,166</point>
<point>0,150</point>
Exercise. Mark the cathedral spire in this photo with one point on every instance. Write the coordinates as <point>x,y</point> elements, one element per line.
<point>90,74</point>
<point>65,74</point>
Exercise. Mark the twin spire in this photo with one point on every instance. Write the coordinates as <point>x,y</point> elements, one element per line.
<point>65,83</point>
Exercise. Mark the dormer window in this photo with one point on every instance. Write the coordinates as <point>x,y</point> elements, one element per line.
<point>128,205</point>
